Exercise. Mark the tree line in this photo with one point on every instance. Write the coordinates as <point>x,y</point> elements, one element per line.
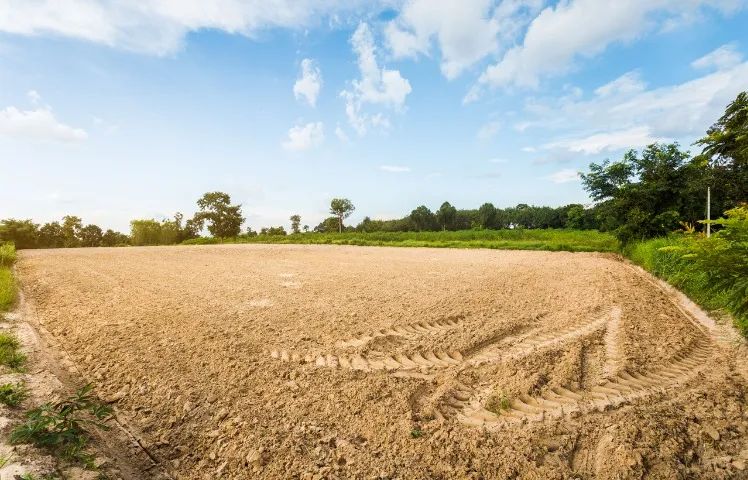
<point>645,194</point>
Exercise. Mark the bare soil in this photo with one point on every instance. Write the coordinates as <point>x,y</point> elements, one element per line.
<point>281,361</point>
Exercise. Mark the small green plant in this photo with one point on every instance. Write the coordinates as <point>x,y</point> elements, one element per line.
<point>9,354</point>
<point>416,433</point>
<point>7,288</point>
<point>12,394</point>
<point>62,426</point>
<point>498,402</point>
<point>7,254</point>
<point>4,460</point>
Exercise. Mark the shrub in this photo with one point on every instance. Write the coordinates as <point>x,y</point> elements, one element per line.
<point>62,426</point>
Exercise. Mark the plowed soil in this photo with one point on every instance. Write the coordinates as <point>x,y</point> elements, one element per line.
<point>251,361</point>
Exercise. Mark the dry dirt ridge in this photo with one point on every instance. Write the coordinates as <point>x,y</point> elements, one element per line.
<point>275,361</point>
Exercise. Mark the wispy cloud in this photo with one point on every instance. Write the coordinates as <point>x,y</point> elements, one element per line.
<point>394,168</point>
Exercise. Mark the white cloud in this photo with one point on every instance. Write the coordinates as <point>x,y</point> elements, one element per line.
<point>394,168</point>
<point>498,160</point>
<point>377,85</point>
<point>562,33</point>
<point>160,26</point>
<point>37,124</point>
<point>489,130</point>
<point>308,85</point>
<point>34,97</point>
<point>629,82</point>
<point>465,31</point>
<point>608,141</point>
<point>342,136</point>
<point>724,57</point>
<point>564,176</point>
<point>304,137</point>
<point>628,117</point>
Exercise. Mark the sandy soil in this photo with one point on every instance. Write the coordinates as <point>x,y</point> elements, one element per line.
<point>252,361</point>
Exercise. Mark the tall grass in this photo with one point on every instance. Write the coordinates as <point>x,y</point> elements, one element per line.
<point>520,239</point>
<point>7,283</point>
<point>712,272</point>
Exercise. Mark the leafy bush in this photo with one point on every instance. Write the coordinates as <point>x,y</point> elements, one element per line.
<point>12,394</point>
<point>62,426</point>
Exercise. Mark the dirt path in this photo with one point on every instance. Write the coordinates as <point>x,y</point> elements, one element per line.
<point>259,361</point>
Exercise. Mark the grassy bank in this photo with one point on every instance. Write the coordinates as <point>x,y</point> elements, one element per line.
<point>712,272</point>
<point>7,283</point>
<point>555,240</point>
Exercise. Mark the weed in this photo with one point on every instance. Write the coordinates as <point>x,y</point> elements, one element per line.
<point>416,433</point>
<point>9,354</point>
<point>7,254</point>
<point>12,394</point>
<point>62,426</point>
<point>7,289</point>
<point>497,403</point>
<point>4,460</point>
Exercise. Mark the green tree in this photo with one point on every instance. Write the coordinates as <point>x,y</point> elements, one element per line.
<point>341,208</point>
<point>71,227</point>
<point>145,232</point>
<point>91,236</point>
<point>23,233</point>
<point>725,150</point>
<point>306,228</point>
<point>330,224</point>
<point>51,235</point>
<point>223,219</point>
<point>295,222</point>
<point>487,215</point>
<point>423,219</point>
<point>446,216</point>
<point>113,239</point>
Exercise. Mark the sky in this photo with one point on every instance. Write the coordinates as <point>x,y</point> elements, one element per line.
<point>120,109</point>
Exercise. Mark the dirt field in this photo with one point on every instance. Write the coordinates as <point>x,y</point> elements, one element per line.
<point>251,361</point>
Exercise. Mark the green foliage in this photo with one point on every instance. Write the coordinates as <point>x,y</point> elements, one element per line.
<point>13,394</point>
<point>7,289</point>
<point>273,231</point>
<point>446,216</point>
<point>223,219</point>
<point>62,426</point>
<point>90,236</point>
<point>712,272</point>
<point>341,208</point>
<point>416,433</point>
<point>7,254</point>
<point>517,239</point>
<point>9,354</point>
<point>22,233</point>
<point>423,219</point>
<point>295,222</point>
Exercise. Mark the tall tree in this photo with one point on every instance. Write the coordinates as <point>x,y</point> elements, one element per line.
<point>446,216</point>
<point>91,236</point>
<point>341,208</point>
<point>295,222</point>
<point>423,219</point>
<point>23,233</point>
<point>71,227</point>
<point>51,235</point>
<point>223,219</point>
<point>487,215</point>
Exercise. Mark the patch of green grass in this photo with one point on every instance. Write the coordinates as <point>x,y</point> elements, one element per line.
<point>416,433</point>
<point>7,289</point>
<point>498,402</point>
<point>517,239</point>
<point>62,427</point>
<point>9,354</point>
<point>7,254</point>
<point>12,394</point>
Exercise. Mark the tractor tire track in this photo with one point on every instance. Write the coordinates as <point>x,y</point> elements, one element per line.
<point>407,331</point>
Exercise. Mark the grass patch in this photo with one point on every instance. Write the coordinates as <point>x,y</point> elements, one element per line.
<point>62,427</point>
<point>519,239</point>
<point>7,254</point>
<point>13,394</point>
<point>498,402</point>
<point>7,289</point>
<point>9,354</point>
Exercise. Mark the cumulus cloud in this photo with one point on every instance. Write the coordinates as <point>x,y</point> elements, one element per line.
<point>160,26</point>
<point>465,31</point>
<point>305,137</point>
<point>634,115</point>
<point>376,86</point>
<point>564,176</point>
<point>724,57</point>
<point>574,29</point>
<point>309,83</point>
<point>37,124</point>
<point>394,168</point>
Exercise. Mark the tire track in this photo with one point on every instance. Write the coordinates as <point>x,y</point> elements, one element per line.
<point>467,404</point>
<point>407,331</point>
<point>614,358</point>
<point>416,361</point>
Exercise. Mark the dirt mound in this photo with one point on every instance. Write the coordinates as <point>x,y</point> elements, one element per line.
<point>250,361</point>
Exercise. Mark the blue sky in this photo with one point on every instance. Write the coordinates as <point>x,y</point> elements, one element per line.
<point>122,110</point>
